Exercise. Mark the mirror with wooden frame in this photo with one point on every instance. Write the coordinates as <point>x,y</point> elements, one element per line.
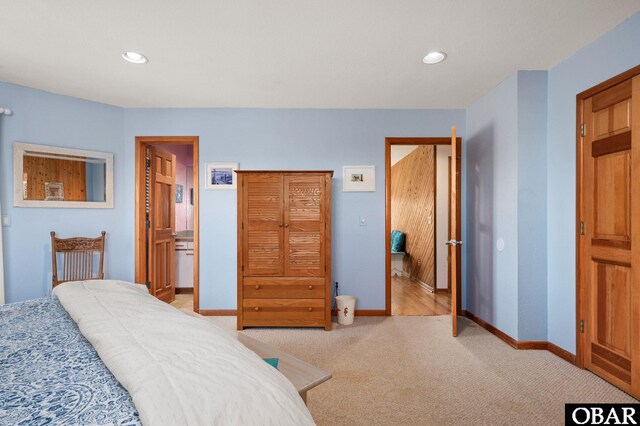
<point>48,176</point>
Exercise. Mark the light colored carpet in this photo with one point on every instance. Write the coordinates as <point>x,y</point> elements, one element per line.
<point>410,371</point>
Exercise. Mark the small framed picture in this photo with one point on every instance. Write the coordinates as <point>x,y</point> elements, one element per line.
<point>221,176</point>
<point>179,193</point>
<point>359,179</point>
<point>54,191</point>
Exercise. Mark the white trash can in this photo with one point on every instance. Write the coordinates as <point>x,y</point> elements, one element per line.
<point>346,308</point>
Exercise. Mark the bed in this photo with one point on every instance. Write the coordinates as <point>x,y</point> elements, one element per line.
<point>106,352</point>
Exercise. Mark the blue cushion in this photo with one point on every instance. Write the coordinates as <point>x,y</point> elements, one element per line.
<point>397,241</point>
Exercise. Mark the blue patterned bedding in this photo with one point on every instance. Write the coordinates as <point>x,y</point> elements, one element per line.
<point>50,374</point>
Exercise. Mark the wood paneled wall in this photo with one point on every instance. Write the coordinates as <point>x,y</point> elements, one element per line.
<point>73,174</point>
<point>413,191</point>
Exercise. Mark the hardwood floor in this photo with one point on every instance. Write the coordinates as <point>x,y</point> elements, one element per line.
<point>409,298</point>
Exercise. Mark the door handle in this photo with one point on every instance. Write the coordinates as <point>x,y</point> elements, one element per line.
<point>453,243</point>
<point>174,234</point>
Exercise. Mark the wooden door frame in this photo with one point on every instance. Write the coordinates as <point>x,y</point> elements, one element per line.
<point>387,165</point>
<point>141,143</point>
<point>580,286</point>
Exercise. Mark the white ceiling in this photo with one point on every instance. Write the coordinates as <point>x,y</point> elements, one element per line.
<point>291,53</point>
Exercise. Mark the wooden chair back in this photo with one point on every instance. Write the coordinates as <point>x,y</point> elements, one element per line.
<point>78,258</point>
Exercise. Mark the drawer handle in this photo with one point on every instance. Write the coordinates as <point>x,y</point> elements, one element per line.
<point>310,309</point>
<point>256,308</point>
<point>310,287</point>
<point>257,287</point>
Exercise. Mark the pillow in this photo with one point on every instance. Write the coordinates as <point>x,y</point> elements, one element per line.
<point>397,241</point>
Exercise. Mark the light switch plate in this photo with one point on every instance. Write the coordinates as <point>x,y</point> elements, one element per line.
<point>6,220</point>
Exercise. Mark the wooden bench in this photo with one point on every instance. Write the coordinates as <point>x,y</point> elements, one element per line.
<point>303,375</point>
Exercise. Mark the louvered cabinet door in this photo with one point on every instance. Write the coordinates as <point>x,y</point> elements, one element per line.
<point>263,223</point>
<point>284,251</point>
<point>304,225</point>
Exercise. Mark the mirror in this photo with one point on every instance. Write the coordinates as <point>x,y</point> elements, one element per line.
<point>47,176</point>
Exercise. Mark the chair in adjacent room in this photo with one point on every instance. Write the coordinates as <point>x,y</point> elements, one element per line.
<point>81,258</point>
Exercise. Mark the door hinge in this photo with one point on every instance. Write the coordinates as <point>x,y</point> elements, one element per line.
<point>583,132</point>
<point>148,224</point>
<point>581,228</point>
<point>581,326</point>
<point>148,162</point>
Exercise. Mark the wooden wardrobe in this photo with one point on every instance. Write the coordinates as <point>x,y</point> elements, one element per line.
<point>284,248</point>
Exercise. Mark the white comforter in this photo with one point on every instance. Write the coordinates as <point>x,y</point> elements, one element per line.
<point>178,369</point>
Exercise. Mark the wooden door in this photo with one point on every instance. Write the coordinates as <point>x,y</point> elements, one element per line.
<point>304,225</point>
<point>263,223</point>
<point>610,261</point>
<point>161,248</point>
<point>454,242</point>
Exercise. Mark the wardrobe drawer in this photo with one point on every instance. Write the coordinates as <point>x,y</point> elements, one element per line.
<point>283,288</point>
<point>283,312</point>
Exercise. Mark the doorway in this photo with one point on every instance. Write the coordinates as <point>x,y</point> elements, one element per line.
<point>166,217</point>
<point>418,196</point>
<point>608,209</point>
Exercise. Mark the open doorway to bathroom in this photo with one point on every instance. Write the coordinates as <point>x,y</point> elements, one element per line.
<point>418,226</point>
<point>166,213</point>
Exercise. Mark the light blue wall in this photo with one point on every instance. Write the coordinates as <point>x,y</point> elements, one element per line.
<point>492,207</point>
<point>95,181</point>
<point>89,183</point>
<point>47,119</point>
<point>512,116</point>
<point>606,57</point>
<point>532,205</point>
<point>506,187</point>
<point>292,139</point>
<point>267,139</point>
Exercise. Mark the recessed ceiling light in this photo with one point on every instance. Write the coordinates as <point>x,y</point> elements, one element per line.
<point>434,58</point>
<point>135,57</point>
